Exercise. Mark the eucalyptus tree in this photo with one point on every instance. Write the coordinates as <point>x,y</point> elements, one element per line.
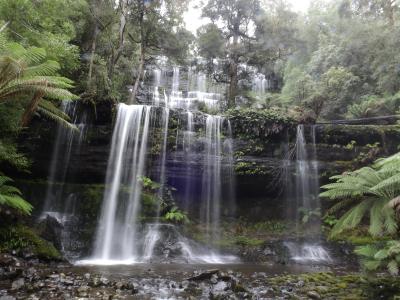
<point>236,19</point>
<point>157,31</point>
<point>276,33</point>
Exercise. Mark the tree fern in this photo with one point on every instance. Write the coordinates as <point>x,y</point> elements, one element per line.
<point>12,197</point>
<point>368,193</point>
<point>381,255</point>
<point>26,74</point>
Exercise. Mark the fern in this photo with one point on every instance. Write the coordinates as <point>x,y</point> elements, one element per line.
<point>380,256</point>
<point>369,192</point>
<point>11,196</point>
<point>26,72</point>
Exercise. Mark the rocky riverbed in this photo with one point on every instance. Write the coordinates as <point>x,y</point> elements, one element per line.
<point>33,279</point>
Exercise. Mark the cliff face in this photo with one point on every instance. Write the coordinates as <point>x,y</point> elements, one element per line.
<point>262,144</point>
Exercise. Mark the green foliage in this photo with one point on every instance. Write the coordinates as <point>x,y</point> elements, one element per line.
<point>247,241</point>
<point>21,238</point>
<point>258,122</point>
<point>367,192</point>
<point>330,220</point>
<point>210,41</point>
<point>11,197</point>
<point>176,216</point>
<point>374,106</point>
<point>10,156</point>
<point>309,216</point>
<point>149,184</point>
<point>384,255</point>
<point>26,75</point>
<point>48,24</point>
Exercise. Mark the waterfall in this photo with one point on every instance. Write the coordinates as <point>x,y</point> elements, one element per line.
<point>175,79</point>
<point>307,200</point>
<point>211,193</point>
<point>120,237</point>
<point>307,186</point>
<point>189,155</point>
<point>156,86</point>
<point>230,172</point>
<point>117,231</point>
<point>60,204</point>
<point>67,141</point>
<point>260,84</point>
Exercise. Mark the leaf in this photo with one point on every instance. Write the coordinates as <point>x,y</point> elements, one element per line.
<point>371,265</point>
<point>381,254</point>
<point>393,267</point>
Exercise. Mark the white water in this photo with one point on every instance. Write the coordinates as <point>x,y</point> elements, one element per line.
<point>211,193</point>
<point>119,238</point>
<point>117,230</point>
<point>260,84</point>
<point>306,197</point>
<point>67,140</point>
<point>308,253</point>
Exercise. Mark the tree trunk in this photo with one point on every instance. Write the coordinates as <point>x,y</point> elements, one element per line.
<point>92,53</point>
<point>233,80</point>
<point>233,68</point>
<point>30,110</point>
<point>118,50</point>
<point>132,98</point>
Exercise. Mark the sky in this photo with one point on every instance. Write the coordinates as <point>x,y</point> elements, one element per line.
<point>193,20</point>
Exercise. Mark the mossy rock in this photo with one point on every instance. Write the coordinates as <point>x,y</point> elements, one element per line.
<point>23,239</point>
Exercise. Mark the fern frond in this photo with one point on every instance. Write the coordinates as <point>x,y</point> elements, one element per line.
<point>352,218</point>
<point>48,68</point>
<point>56,118</point>
<point>50,107</point>
<point>366,250</point>
<point>340,205</point>
<point>390,222</point>
<point>393,267</point>
<point>376,219</point>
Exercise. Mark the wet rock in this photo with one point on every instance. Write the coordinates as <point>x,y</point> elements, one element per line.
<point>214,279</point>
<point>221,286</point>
<point>204,275</point>
<point>104,280</point>
<point>18,284</point>
<point>7,297</point>
<point>313,295</point>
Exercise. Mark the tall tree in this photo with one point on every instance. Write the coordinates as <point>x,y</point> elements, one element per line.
<point>156,24</point>
<point>236,18</point>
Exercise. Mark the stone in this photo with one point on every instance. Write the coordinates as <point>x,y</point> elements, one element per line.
<point>204,275</point>
<point>7,297</point>
<point>18,284</point>
<point>313,295</point>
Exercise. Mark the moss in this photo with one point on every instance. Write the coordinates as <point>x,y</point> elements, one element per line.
<point>21,238</point>
<point>359,236</point>
<point>249,168</point>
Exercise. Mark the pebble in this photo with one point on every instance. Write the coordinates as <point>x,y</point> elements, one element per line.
<point>313,295</point>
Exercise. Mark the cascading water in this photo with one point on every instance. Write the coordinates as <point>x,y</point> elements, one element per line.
<point>120,237</point>
<point>307,200</point>
<point>260,84</point>
<point>67,140</point>
<point>307,186</point>
<point>59,204</point>
<point>117,231</point>
<point>211,193</point>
